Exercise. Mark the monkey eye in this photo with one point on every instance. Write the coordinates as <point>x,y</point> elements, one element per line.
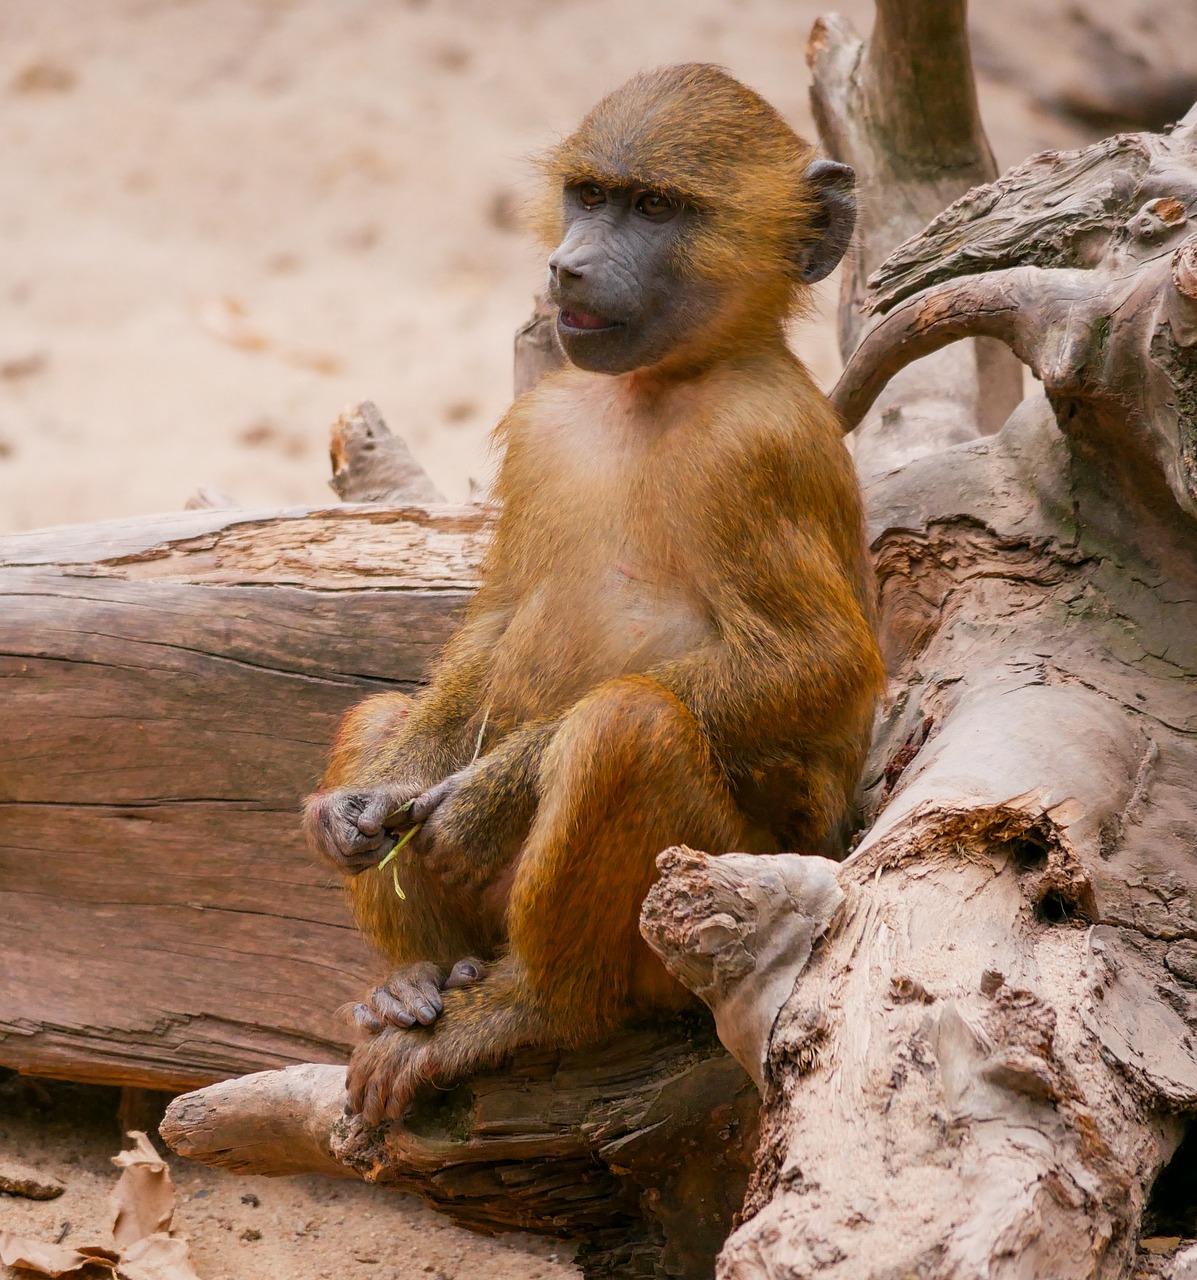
<point>591,195</point>
<point>656,206</point>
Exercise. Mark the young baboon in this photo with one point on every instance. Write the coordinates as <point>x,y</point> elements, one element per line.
<point>672,642</point>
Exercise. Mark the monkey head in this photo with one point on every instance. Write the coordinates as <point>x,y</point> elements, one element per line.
<point>687,216</point>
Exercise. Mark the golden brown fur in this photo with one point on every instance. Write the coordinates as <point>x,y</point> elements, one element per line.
<point>672,643</point>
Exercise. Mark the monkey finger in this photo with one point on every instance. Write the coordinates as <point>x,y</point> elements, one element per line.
<point>427,802</point>
<point>464,972</point>
<point>367,1019</point>
<point>373,1103</point>
<point>356,862</point>
<point>397,1099</point>
<point>378,809</point>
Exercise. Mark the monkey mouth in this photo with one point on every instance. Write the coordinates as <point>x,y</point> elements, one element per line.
<point>584,322</point>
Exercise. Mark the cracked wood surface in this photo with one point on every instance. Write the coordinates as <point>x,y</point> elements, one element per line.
<point>171,685</point>
<point>901,108</point>
<point>1001,1024</point>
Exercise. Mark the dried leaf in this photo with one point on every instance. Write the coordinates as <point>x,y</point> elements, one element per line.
<point>1160,1245</point>
<point>54,1259</point>
<point>143,1201</point>
<point>157,1257</point>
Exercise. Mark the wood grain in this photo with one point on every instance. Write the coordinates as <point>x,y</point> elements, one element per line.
<point>169,689</point>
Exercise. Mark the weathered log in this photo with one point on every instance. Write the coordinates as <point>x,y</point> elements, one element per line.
<point>171,685</point>
<point>901,108</point>
<point>641,1147</point>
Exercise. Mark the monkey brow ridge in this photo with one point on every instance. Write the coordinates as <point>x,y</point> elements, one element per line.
<point>634,180</point>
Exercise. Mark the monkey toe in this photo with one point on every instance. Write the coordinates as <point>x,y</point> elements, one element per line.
<point>410,995</point>
<point>366,1019</point>
<point>464,972</point>
<point>409,1006</point>
<point>384,1074</point>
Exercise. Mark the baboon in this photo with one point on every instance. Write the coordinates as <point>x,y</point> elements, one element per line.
<point>673,638</point>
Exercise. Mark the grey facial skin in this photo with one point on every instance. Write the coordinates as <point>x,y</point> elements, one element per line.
<point>622,305</point>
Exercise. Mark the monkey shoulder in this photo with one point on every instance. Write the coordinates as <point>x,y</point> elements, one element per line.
<point>774,434</point>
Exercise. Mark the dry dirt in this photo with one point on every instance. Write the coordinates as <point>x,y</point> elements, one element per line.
<point>223,220</point>
<point>246,1228</point>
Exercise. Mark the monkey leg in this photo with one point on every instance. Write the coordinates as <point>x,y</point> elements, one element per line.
<point>427,933</point>
<point>361,739</point>
<point>627,774</point>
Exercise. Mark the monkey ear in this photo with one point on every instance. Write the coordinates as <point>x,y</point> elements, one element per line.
<point>833,186</point>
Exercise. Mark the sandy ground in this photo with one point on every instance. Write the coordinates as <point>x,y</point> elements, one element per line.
<point>223,220</point>
<point>309,1228</point>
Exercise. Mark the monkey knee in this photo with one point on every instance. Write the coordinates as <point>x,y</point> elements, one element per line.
<point>380,714</point>
<point>632,712</point>
<point>363,730</point>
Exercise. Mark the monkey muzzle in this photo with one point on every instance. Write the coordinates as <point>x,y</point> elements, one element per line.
<point>584,322</point>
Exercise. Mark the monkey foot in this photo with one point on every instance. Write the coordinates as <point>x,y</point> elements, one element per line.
<point>479,1028</point>
<point>412,995</point>
<point>387,1069</point>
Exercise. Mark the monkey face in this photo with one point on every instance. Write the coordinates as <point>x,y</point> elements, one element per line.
<point>624,304</point>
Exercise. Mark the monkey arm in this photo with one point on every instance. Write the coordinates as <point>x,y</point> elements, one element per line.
<point>391,748</point>
<point>794,659</point>
<point>475,820</point>
<point>439,731</point>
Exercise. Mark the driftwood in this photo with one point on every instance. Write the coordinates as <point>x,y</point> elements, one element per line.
<point>642,1147</point>
<point>901,108</point>
<point>976,1037</point>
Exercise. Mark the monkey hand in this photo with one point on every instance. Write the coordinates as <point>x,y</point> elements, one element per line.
<point>353,827</point>
<point>465,834</point>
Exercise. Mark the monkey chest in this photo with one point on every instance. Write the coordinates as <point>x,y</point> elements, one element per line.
<point>588,625</point>
<point>645,617</point>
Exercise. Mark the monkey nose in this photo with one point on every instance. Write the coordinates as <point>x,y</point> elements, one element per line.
<point>563,269</point>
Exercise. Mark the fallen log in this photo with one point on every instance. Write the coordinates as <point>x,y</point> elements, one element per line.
<point>642,1148</point>
<point>171,685</point>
